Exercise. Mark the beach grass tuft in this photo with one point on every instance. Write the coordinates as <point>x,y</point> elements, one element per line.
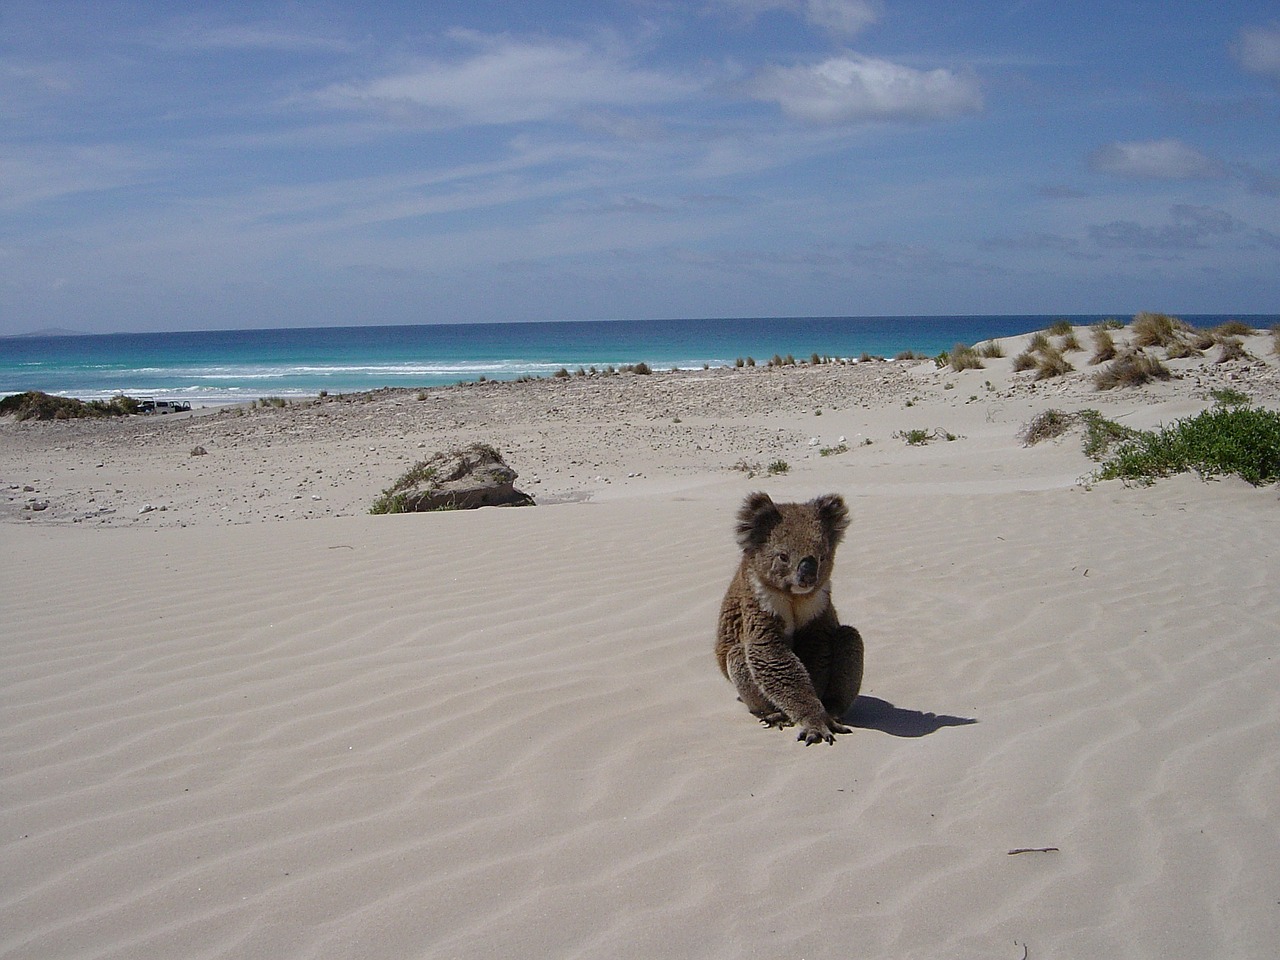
<point>1104,345</point>
<point>1157,329</point>
<point>1232,349</point>
<point>1131,369</point>
<point>964,357</point>
<point>1051,363</point>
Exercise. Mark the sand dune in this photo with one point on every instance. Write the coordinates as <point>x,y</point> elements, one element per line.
<point>502,733</point>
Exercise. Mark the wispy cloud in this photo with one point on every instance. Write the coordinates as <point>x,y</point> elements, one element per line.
<point>1155,160</point>
<point>1258,50</point>
<point>853,88</point>
<point>503,79</point>
<point>840,17</point>
<point>1189,228</point>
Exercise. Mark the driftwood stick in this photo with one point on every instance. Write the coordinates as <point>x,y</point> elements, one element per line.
<point>1017,850</point>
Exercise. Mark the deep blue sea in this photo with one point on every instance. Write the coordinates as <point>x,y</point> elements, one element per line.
<point>229,366</point>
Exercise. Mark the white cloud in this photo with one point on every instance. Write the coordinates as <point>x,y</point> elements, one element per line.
<point>505,80</point>
<point>853,87</point>
<point>844,17</point>
<point>1155,160</point>
<point>1259,50</point>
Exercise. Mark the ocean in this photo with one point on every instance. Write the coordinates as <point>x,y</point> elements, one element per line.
<point>209,368</point>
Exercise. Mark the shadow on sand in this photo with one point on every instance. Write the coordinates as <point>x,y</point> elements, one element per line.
<point>872,713</point>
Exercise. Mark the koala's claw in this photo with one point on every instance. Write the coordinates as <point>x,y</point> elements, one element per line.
<point>775,719</point>
<point>811,736</point>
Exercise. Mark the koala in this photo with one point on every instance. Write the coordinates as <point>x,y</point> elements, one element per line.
<point>779,639</point>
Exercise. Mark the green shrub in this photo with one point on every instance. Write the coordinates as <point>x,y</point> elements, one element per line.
<point>1100,433</point>
<point>916,438</point>
<point>1229,397</point>
<point>1240,441</point>
<point>37,405</point>
<point>779,466</point>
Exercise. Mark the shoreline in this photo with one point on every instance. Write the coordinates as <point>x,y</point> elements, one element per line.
<point>576,438</point>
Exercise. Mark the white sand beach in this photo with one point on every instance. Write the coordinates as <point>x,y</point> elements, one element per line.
<point>244,718</point>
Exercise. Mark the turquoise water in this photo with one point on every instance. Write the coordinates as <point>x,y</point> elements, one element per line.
<point>228,366</point>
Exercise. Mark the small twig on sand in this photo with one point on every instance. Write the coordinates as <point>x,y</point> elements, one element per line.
<point>1018,850</point>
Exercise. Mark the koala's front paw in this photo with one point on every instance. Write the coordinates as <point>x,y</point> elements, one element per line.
<point>774,718</point>
<point>827,731</point>
<point>815,735</point>
<point>835,726</point>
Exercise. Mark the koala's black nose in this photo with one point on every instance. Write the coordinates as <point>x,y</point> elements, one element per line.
<point>807,570</point>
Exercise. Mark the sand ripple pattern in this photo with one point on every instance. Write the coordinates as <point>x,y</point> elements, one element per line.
<point>502,734</point>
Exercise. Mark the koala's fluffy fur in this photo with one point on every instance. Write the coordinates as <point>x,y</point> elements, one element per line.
<point>779,639</point>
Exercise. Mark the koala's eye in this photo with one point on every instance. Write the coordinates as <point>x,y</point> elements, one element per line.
<point>784,557</point>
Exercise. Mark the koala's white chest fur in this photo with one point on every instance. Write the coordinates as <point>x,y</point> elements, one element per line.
<point>794,610</point>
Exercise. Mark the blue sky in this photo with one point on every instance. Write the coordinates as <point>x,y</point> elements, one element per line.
<point>170,166</point>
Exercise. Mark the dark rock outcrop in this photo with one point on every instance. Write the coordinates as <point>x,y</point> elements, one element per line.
<point>464,479</point>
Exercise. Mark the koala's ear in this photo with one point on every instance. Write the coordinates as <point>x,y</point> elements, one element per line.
<point>833,515</point>
<point>756,519</point>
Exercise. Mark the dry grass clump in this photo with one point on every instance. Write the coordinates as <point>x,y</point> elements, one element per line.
<point>1130,370</point>
<point>1024,361</point>
<point>964,357</point>
<point>991,350</point>
<point>1051,363</point>
<point>1181,349</point>
<point>1061,328</point>
<point>1275,339</point>
<point>1043,357</point>
<point>1233,328</point>
<point>1157,329</point>
<point>1046,426</point>
<point>1232,349</point>
<point>1104,345</point>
